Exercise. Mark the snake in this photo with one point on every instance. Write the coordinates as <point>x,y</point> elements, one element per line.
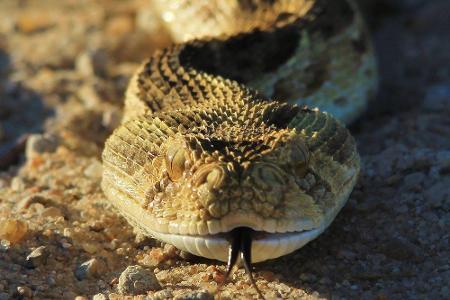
<point>233,144</point>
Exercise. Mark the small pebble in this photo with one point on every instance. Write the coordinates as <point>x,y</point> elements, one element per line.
<point>68,295</point>
<point>13,230</point>
<point>66,245</point>
<point>38,144</point>
<point>3,183</point>
<point>445,292</point>
<point>195,295</point>
<point>413,181</point>
<point>90,269</point>
<point>219,277</point>
<point>24,291</point>
<point>443,162</point>
<point>111,119</point>
<point>307,277</point>
<point>437,98</point>
<point>4,296</point>
<point>99,296</point>
<point>68,232</point>
<point>137,280</point>
<point>162,295</point>
<point>37,257</point>
<point>94,170</point>
<point>268,275</point>
<point>438,195</point>
<point>91,247</point>
<point>31,22</point>
<point>170,251</point>
<point>135,46</point>
<point>36,208</point>
<point>346,254</point>
<point>18,184</point>
<point>89,96</point>
<point>325,281</point>
<point>84,64</point>
<point>52,212</point>
<point>28,201</point>
<point>147,19</point>
<point>113,244</point>
<point>120,25</point>
<point>154,257</point>
<point>401,249</point>
<point>92,63</point>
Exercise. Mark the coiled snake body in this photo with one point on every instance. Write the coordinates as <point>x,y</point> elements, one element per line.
<point>217,147</point>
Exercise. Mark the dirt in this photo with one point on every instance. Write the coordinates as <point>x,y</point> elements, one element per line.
<point>64,66</point>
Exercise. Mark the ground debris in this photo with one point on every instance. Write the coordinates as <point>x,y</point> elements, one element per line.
<point>137,280</point>
<point>63,74</point>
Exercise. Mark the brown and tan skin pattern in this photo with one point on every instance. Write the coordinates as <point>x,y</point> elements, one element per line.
<point>325,60</point>
<point>199,154</point>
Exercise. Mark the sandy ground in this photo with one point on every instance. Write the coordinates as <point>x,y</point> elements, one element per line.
<point>63,68</point>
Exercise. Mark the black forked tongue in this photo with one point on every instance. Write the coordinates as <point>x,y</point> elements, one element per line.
<point>241,243</point>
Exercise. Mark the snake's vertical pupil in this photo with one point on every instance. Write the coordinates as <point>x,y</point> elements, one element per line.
<point>241,242</point>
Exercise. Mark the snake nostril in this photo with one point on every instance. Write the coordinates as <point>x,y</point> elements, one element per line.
<point>212,175</point>
<point>214,178</point>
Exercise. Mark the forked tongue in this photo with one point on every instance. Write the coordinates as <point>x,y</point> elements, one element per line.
<point>241,243</point>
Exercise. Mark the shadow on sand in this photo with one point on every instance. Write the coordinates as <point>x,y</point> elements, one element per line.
<point>22,112</point>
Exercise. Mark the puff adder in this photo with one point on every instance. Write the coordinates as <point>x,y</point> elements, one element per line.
<point>218,149</point>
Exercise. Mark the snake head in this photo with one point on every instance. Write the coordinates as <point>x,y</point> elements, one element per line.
<point>281,171</point>
<point>209,178</point>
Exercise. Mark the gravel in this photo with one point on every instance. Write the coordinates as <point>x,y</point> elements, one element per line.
<point>90,269</point>
<point>38,144</point>
<point>195,295</point>
<point>63,72</point>
<point>137,280</point>
<point>37,257</point>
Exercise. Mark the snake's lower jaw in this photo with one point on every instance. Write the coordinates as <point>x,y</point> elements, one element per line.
<point>272,238</point>
<point>265,246</point>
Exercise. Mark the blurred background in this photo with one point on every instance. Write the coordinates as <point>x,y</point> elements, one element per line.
<point>69,57</point>
<point>64,66</point>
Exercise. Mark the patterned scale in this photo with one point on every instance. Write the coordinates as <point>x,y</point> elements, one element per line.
<point>201,154</point>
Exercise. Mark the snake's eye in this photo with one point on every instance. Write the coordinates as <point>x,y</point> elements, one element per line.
<point>175,162</point>
<point>266,176</point>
